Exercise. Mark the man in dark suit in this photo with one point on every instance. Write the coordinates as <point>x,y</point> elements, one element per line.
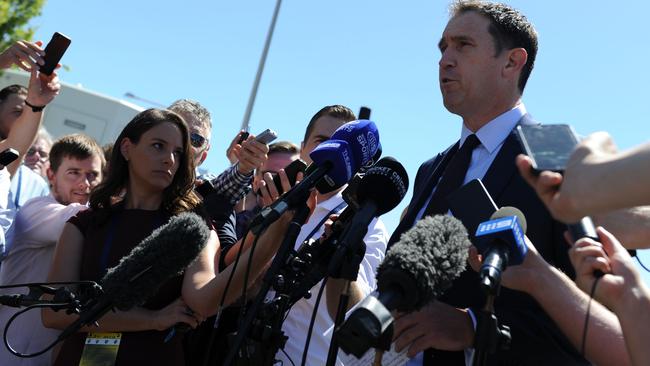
<point>488,51</point>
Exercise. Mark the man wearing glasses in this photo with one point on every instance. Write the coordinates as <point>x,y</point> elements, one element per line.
<point>37,157</point>
<point>227,189</point>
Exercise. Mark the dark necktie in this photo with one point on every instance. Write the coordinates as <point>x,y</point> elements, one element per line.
<point>452,178</point>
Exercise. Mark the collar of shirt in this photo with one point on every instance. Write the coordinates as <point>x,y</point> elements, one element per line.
<point>491,136</point>
<point>495,132</point>
<point>331,203</point>
<point>321,211</point>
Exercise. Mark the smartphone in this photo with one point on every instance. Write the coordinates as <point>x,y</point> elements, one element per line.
<point>8,156</point>
<point>244,135</point>
<point>266,136</point>
<point>54,51</point>
<point>472,205</point>
<point>549,146</point>
<point>364,113</point>
<point>205,189</point>
<point>291,171</point>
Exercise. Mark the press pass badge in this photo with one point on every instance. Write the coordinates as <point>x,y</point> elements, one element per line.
<point>100,349</point>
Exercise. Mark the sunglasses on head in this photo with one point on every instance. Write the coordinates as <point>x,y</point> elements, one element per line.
<point>197,140</point>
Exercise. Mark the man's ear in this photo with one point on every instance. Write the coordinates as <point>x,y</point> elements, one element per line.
<point>125,148</point>
<point>51,176</point>
<point>517,58</point>
<point>204,154</point>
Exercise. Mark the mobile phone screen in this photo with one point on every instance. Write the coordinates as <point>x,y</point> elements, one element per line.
<point>54,51</point>
<point>549,146</point>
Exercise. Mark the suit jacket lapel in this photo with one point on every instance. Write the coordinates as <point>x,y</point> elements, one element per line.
<point>503,167</point>
<point>422,192</point>
<point>433,178</point>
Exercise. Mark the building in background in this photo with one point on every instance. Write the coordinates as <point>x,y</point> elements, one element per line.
<point>77,110</point>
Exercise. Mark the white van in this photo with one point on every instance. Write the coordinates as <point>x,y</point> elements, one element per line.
<point>77,110</point>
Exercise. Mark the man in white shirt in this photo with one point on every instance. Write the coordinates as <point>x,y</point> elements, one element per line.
<point>321,128</point>
<point>76,163</point>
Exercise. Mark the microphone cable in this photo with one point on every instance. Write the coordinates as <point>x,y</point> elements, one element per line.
<point>207,358</point>
<point>58,306</point>
<point>242,312</point>
<point>312,321</point>
<point>288,357</point>
<point>584,331</point>
<point>20,312</point>
<point>638,259</point>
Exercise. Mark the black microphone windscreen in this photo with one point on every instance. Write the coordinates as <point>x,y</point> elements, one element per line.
<point>162,255</point>
<point>426,260</point>
<point>386,184</point>
<point>511,211</point>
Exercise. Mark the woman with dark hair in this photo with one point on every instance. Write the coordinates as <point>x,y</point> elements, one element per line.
<point>151,178</point>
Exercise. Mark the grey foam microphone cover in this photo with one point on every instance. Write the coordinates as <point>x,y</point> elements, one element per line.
<point>164,254</point>
<point>426,260</point>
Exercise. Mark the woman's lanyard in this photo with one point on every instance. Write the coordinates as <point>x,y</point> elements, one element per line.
<point>20,184</point>
<point>110,238</point>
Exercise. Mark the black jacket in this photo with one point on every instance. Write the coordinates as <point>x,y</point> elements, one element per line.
<point>535,338</point>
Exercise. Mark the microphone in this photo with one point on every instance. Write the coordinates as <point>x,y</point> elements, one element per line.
<point>416,270</point>
<point>61,296</point>
<point>583,229</point>
<point>380,190</point>
<point>501,242</point>
<point>362,137</point>
<point>366,134</point>
<point>335,161</point>
<point>314,260</point>
<point>162,255</point>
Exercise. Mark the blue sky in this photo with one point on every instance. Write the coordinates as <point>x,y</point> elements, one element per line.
<point>591,70</point>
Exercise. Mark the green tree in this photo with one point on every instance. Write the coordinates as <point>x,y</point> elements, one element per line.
<point>14,16</point>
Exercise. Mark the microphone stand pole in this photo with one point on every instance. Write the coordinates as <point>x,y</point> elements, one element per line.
<point>344,265</point>
<point>490,335</point>
<point>300,217</point>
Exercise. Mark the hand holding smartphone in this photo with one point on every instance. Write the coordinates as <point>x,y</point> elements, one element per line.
<point>291,171</point>
<point>266,136</point>
<point>548,146</point>
<point>54,52</point>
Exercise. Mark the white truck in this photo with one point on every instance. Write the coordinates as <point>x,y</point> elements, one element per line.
<point>77,110</point>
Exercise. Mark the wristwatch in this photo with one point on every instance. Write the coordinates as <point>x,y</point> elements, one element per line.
<point>35,108</point>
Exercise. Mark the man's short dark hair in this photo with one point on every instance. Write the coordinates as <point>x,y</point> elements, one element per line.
<point>10,90</point>
<point>285,147</point>
<point>509,29</point>
<point>77,146</point>
<point>335,111</point>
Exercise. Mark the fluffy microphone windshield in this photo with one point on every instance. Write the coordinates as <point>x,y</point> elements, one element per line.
<point>426,260</point>
<point>162,255</point>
